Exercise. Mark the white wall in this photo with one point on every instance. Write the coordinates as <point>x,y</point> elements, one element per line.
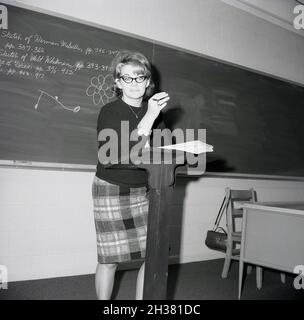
<point>47,226</point>
<point>279,12</point>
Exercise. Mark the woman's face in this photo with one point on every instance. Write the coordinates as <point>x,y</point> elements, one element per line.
<point>133,90</point>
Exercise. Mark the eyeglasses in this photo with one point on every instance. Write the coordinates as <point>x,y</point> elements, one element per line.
<point>128,79</point>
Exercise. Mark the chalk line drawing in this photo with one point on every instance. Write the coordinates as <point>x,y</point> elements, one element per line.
<point>76,109</point>
<point>100,89</point>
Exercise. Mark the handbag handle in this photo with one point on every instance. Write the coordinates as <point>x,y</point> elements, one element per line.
<point>220,213</point>
<point>220,228</point>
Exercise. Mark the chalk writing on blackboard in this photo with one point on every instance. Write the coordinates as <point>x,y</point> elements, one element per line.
<point>76,109</point>
<point>32,56</point>
<point>100,89</point>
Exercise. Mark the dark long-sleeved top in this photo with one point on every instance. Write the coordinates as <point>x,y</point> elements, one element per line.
<point>110,117</point>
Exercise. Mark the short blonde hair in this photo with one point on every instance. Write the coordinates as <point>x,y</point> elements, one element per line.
<point>136,59</point>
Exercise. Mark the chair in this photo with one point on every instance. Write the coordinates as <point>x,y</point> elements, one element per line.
<point>234,235</point>
<point>234,214</point>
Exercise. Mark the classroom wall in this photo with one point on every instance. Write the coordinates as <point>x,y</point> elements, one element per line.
<point>47,226</point>
<point>279,12</point>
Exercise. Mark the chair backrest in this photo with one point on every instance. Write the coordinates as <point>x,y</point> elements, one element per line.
<point>233,210</point>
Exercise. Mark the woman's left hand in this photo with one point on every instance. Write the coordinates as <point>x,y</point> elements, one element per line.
<point>156,103</point>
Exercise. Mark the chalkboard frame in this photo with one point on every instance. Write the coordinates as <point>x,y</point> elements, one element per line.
<point>16,164</point>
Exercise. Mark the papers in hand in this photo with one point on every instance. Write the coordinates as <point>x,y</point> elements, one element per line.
<point>195,146</point>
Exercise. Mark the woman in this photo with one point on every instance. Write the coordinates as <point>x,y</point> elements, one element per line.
<point>120,193</point>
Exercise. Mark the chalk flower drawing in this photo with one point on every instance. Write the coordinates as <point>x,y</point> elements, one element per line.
<point>100,89</point>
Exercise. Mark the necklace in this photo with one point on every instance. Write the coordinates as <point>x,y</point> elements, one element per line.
<point>135,114</point>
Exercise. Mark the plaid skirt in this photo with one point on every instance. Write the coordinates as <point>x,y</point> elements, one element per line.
<point>120,221</point>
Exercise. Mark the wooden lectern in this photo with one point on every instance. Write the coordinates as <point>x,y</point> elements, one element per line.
<point>161,182</point>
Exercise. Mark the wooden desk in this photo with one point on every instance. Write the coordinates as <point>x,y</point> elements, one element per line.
<point>272,236</point>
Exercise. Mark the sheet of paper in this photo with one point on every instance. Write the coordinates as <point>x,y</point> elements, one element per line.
<point>195,146</point>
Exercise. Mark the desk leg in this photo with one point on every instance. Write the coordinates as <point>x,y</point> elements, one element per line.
<point>259,277</point>
<point>241,268</point>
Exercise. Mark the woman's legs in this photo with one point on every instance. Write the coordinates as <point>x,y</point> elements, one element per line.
<point>104,280</point>
<point>140,283</point>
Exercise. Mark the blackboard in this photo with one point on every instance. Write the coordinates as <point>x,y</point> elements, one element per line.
<point>54,78</point>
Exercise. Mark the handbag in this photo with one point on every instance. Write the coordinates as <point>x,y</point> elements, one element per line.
<point>216,238</point>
